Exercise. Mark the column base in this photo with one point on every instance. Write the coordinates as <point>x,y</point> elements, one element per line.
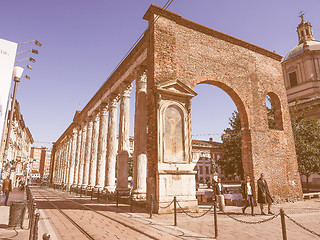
<point>97,187</point>
<point>110,189</point>
<point>123,191</point>
<point>139,194</point>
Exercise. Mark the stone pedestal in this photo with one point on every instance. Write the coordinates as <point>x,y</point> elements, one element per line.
<point>177,183</point>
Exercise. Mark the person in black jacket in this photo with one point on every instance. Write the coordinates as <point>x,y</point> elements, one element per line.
<point>264,195</point>
<point>247,192</point>
<point>218,191</point>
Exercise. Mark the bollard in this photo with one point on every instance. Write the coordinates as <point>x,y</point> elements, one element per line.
<point>106,199</point>
<point>117,198</point>
<point>31,219</point>
<point>35,228</point>
<point>91,193</point>
<point>151,205</point>
<point>46,236</point>
<point>80,192</point>
<point>283,225</point>
<point>98,197</point>
<point>215,220</point>
<point>131,202</point>
<point>175,210</point>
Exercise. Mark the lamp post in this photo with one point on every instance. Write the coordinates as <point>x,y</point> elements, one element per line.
<point>17,71</point>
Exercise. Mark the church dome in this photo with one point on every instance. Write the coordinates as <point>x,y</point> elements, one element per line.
<point>312,45</point>
<point>306,39</point>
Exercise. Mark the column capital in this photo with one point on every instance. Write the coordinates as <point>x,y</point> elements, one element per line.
<point>125,89</point>
<point>113,100</point>
<point>75,130</point>
<point>96,115</point>
<point>139,70</point>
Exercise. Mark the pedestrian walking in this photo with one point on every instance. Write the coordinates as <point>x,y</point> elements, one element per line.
<point>247,192</point>
<point>218,190</point>
<point>264,196</point>
<point>6,188</point>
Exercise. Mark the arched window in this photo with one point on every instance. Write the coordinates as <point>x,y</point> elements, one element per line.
<point>274,113</point>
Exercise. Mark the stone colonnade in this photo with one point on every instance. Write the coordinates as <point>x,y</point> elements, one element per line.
<point>94,153</point>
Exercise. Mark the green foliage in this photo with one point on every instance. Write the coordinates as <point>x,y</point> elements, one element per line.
<point>130,163</point>
<point>231,160</point>
<point>306,133</point>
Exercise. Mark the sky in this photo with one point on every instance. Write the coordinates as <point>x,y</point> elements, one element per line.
<point>83,41</point>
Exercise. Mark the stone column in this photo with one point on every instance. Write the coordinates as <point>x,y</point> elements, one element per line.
<point>124,144</point>
<point>56,172</point>
<point>94,150</point>
<point>63,163</point>
<point>87,153</point>
<point>67,162</point>
<point>111,144</point>
<point>102,147</point>
<point>77,159</point>
<point>73,156</point>
<point>140,136</point>
<point>82,153</point>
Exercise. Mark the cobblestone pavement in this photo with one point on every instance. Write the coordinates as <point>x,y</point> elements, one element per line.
<point>109,222</point>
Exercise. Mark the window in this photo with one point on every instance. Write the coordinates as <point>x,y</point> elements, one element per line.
<point>307,32</point>
<point>274,112</point>
<point>302,33</point>
<point>207,170</point>
<point>201,170</point>
<point>293,79</point>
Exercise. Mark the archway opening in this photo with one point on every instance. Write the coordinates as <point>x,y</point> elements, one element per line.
<point>219,129</point>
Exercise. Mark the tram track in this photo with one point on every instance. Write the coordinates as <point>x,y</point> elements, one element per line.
<point>113,219</point>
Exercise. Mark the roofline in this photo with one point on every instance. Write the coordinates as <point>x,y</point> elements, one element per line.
<point>153,9</point>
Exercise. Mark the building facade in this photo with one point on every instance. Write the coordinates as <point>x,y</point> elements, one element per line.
<point>301,71</point>
<point>18,153</point>
<point>41,158</point>
<point>205,155</point>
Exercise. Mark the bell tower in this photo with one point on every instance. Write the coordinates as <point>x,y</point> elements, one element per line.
<point>304,30</point>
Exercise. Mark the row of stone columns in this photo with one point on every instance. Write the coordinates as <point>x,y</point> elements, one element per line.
<point>90,156</point>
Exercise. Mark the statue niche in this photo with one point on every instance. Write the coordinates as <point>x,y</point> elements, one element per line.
<point>173,136</point>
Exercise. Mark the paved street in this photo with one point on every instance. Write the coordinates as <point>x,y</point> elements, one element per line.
<point>100,221</point>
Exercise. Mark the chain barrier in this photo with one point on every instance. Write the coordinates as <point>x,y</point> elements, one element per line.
<point>303,227</point>
<point>165,206</point>
<point>257,222</point>
<point>199,216</point>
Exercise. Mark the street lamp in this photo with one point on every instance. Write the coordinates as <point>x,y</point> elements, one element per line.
<point>17,72</point>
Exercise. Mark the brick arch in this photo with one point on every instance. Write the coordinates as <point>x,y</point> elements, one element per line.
<point>276,105</point>
<point>231,92</point>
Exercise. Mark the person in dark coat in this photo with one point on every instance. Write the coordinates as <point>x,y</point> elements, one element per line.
<point>264,196</point>
<point>6,188</point>
<point>218,191</point>
<point>247,192</point>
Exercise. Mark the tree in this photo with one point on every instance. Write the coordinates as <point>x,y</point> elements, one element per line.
<point>306,132</point>
<point>231,160</point>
